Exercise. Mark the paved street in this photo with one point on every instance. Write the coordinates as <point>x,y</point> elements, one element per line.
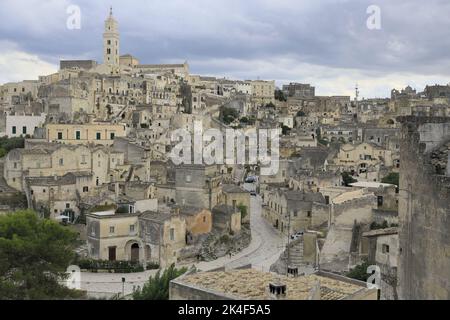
<point>264,249</point>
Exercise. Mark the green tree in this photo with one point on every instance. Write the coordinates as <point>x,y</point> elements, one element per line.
<point>7,144</point>
<point>359,272</point>
<point>157,287</point>
<point>347,179</point>
<point>34,256</point>
<point>392,178</point>
<point>280,96</point>
<point>243,210</point>
<point>228,115</point>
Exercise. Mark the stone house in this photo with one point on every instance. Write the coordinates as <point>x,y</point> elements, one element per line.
<point>198,185</point>
<point>236,196</point>
<point>384,252</point>
<point>198,221</point>
<point>226,219</point>
<point>112,236</point>
<point>97,133</point>
<point>292,211</point>
<point>60,195</point>
<point>164,234</point>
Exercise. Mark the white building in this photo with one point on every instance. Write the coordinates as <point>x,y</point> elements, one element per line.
<point>21,125</point>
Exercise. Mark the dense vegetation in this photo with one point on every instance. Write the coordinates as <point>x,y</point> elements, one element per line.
<point>8,144</point>
<point>392,178</point>
<point>34,256</point>
<point>280,96</point>
<point>157,287</point>
<point>110,266</point>
<point>228,115</point>
<point>359,272</point>
<point>347,179</point>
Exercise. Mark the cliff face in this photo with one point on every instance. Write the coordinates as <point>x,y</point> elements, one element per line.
<point>424,209</point>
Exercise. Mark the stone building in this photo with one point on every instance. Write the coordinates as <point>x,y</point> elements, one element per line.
<point>114,237</point>
<point>226,219</point>
<point>198,185</point>
<point>164,234</point>
<point>291,211</point>
<point>250,284</point>
<point>18,125</point>
<point>97,133</point>
<point>424,209</point>
<point>383,251</point>
<point>299,90</point>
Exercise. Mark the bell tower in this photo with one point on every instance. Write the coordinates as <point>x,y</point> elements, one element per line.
<point>111,41</point>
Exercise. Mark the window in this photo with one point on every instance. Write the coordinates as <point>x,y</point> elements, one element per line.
<point>83,159</point>
<point>14,130</point>
<point>61,162</point>
<point>204,219</point>
<point>98,135</point>
<point>111,229</point>
<point>172,234</point>
<point>77,135</point>
<point>60,136</point>
<point>132,228</point>
<point>385,248</point>
<point>309,214</point>
<point>109,41</point>
<point>112,135</point>
<point>85,189</point>
<point>24,130</point>
<point>15,165</point>
<point>108,51</point>
<point>67,205</point>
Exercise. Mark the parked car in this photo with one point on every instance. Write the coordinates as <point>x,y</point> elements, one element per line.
<point>250,180</point>
<point>297,235</point>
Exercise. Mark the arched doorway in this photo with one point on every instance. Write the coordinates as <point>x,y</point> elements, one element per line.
<point>135,252</point>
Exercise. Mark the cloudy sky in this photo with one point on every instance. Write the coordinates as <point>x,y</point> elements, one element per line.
<point>323,42</point>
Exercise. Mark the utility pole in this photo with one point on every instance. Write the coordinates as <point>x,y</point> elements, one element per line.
<point>123,287</point>
<point>288,245</point>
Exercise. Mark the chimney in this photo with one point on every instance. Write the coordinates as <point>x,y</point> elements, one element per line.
<point>292,272</point>
<point>277,291</point>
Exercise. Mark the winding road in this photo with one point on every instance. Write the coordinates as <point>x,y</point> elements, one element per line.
<point>264,249</point>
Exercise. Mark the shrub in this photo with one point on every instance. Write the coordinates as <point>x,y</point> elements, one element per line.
<point>157,287</point>
<point>110,266</point>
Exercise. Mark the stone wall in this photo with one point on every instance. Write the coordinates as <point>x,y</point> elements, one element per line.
<point>424,212</point>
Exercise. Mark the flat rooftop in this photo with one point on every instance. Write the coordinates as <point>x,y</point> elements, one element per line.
<point>253,284</point>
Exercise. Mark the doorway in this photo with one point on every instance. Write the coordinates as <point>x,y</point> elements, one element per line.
<point>134,252</point>
<point>112,253</point>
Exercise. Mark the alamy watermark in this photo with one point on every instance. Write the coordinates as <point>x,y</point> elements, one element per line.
<point>374,20</point>
<point>241,147</point>
<point>74,277</point>
<point>73,21</point>
<point>374,280</point>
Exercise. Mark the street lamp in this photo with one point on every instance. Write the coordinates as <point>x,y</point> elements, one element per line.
<point>123,286</point>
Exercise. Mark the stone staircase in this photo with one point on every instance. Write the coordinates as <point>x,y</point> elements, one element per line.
<point>296,253</point>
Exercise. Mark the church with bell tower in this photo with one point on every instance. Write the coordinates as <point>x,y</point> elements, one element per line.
<point>111,43</point>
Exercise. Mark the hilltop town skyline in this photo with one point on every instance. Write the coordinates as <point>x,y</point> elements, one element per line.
<point>250,44</point>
